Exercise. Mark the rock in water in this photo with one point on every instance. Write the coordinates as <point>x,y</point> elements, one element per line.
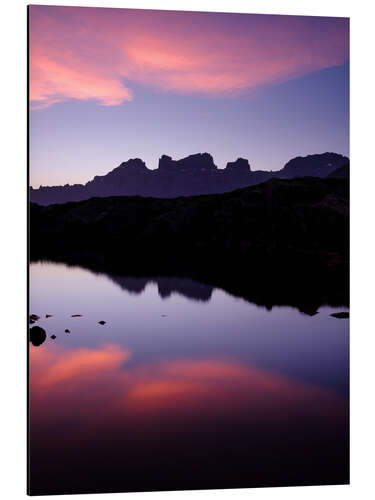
<point>33,318</point>
<point>76,315</point>
<point>101,322</point>
<point>340,315</point>
<point>67,331</point>
<point>49,315</point>
<point>53,337</point>
<point>37,335</point>
<point>310,312</point>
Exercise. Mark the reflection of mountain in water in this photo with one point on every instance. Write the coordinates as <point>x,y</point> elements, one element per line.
<point>166,286</point>
<point>264,289</point>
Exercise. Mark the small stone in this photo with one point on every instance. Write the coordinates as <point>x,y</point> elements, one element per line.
<point>34,317</point>
<point>67,331</point>
<point>37,335</point>
<point>53,337</point>
<point>340,315</point>
<point>101,322</point>
<point>76,315</point>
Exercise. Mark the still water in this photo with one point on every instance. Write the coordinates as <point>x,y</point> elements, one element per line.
<point>184,386</point>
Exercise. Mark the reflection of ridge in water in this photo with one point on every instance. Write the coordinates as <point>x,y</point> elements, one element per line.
<point>166,286</point>
<point>266,288</point>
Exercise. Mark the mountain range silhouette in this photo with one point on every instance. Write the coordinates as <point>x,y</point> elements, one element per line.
<point>194,175</point>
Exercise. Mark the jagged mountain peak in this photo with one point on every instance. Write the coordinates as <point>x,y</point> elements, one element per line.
<point>193,175</point>
<point>197,161</point>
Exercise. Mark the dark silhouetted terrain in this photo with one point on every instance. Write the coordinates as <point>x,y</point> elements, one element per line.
<point>197,174</point>
<point>280,242</point>
<point>341,172</point>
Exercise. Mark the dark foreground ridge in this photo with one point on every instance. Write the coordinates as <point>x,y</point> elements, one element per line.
<point>197,174</point>
<point>280,242</point>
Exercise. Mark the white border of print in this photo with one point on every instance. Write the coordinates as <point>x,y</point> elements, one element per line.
<point>13,244</point>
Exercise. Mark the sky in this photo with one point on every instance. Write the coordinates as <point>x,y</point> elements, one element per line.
<point>106,85</point>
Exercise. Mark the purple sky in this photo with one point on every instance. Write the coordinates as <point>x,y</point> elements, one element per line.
<point>107,85</point>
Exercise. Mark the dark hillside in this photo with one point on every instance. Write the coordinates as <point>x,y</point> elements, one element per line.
<point>285,237</point>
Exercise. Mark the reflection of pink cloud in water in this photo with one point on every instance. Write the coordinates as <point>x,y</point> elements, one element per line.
<point>78,53</point>
<point>60,367</point>
<point>105,424</point>
<point>63,378</point>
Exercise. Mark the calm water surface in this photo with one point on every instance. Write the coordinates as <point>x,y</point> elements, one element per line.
<point>185,386</point>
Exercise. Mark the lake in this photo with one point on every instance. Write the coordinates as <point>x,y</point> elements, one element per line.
<point>185,386</point>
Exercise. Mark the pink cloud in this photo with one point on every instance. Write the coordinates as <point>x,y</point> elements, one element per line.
<point>96,54</point>
<point>54,82</point>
